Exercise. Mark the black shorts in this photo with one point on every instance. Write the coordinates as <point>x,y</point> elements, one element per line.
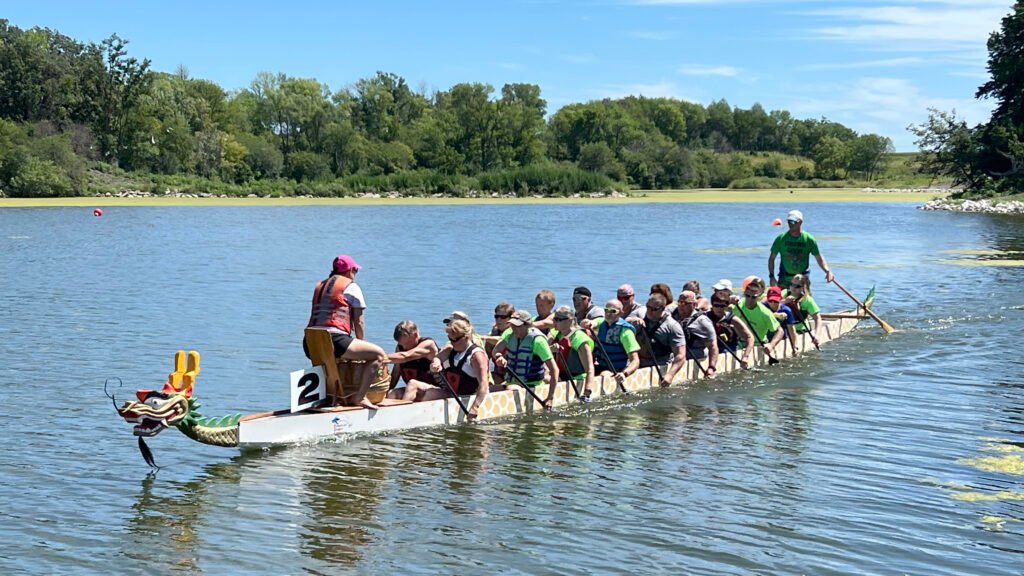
<point>341,343</point>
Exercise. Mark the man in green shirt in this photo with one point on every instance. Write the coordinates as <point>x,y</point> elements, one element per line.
<point>795,247</point>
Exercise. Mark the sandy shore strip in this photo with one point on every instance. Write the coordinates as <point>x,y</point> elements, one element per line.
<point>781,196</point>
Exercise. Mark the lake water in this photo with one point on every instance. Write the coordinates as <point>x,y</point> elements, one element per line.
<point>884,454</point>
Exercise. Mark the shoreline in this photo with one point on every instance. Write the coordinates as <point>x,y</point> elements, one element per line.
<point>983,206</point>
<point>778,196</point>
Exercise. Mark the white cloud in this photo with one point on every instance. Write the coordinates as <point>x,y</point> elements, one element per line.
<point>867,103</point>
<point>885,63</point>
<point>704,70</point>
<point>927,25</point>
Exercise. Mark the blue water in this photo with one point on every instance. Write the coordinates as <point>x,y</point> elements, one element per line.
<point>884,454</point>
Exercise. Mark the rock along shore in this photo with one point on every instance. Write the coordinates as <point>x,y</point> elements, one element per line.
<point>977,206</point>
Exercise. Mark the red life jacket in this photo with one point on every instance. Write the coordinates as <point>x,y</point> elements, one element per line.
<point>418,369</point>
<point>461,382</point>
<point>330,308</point>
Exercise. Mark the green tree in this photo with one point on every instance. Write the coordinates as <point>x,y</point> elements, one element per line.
<point>830,156</point>
<point>867,154</point>
<point>1006,68</point>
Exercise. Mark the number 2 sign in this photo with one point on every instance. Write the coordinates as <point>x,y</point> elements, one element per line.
<point>309,388</point>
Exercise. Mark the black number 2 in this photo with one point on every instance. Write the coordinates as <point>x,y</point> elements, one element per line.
<point>308,383</point>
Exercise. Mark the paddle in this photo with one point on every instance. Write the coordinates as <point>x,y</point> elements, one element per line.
<point>699,365</point>
<point>654,359</point>
<point>565,364</point>
<point>729,349</point>
<point>444,383</point>
<point>885,325</point>
<point>771,359</point>
<point>608,359</point>
<point>522,383</point>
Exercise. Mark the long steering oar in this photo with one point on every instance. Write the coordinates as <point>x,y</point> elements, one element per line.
<point>771,359</point>
<point>608,359</point>
<point>444,383</point>
<point>885,325</point>
<point>525,387</point>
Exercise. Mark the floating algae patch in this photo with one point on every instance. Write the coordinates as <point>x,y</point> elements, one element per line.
<point>869,266</point>
<point>978,252</point>
<point>1003,495</point>
<point>728,250</point>
<point>982,263</point>
<point>1004,448</point>
<point>1010,464</point>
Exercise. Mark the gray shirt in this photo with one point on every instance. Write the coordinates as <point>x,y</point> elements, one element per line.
<point>667,336</point>
<point>700,333</point>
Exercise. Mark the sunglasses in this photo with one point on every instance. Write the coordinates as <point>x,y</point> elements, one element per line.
<point>655,308</point>
<point>791,222</point>
<point>502,316</point>
<point>612,310</point>
<point>796,285</point>
<point>718,305</point>
<point>557,319</point>
<point>749,295</point>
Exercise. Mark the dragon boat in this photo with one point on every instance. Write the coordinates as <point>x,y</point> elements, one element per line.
<point>174,406</point>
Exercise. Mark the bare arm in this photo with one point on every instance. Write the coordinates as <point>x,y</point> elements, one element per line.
<point>552,367</point>
<point>587,358</point>
<point>358,324</point>
<point>713,354</point>
<point>483,368</point>
<point>747,336</point>
<point>779,334</point>
<point>678,360</point>
<point>771,268</point>
<point>829,276</point>
<point>426,349</point>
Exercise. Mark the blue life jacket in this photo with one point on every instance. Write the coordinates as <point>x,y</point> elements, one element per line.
<point>522,360</point>
<point>612,344</point>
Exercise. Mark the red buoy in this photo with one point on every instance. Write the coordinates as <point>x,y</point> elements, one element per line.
<point>97,212</point>
<point>777,222</point>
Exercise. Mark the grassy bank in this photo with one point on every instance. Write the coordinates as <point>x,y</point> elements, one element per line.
<point>785,196</point>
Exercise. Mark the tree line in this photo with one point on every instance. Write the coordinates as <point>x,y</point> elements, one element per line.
<point>68,106</point>
<point>986,159</point>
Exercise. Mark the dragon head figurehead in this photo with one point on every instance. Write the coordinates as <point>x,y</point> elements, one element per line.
<point>155,411</point>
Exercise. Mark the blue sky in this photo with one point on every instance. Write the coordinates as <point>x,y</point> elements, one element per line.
<point>874,65</point>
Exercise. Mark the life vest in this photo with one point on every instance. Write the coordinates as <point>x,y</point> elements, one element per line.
<point>571,360</point>
<point>694,349</point>
<point>418,369</point>
<point>724,327</point>
<point>330,308</point>
<point>660,350</point>
<point>611,342</point>
<point>523,361</point>
<point>456,374</point>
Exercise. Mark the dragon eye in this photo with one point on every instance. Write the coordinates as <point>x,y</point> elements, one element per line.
<point>153,401</point>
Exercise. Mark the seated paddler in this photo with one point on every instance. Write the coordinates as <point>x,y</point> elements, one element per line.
<point>574,350</point>
<point>463,364</point>
<point>337,308</point>
<point>412,356</point>
<point>616,349</point>
<point>524,355</point>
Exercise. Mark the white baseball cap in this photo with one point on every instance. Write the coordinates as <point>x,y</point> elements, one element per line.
<point>795,215</point>
<point>723,284</point>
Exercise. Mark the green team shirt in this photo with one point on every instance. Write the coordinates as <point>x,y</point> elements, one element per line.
<point>626,337</point>
<point>761,320</point>
<point>796,252</point>
<point>540,348</point>
<point>576,339</point>
<point>809,308</point>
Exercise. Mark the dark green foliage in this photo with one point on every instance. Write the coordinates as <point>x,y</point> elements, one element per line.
<point>100,104</point>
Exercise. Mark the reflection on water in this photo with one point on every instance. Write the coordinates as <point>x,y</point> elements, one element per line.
<point>897,453</point>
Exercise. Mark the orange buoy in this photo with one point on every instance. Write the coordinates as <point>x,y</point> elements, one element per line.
<point>777,222</point>
<point>97,212</point>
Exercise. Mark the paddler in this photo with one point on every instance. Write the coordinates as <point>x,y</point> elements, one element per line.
<point>464,365</point>
<point>796,247</point>
<point>337,307</point>
<point>582,302</point>
<point>525,353</point>
<point>666,343</point>
<point>732,332</point>
<point>758,317</point>
<point>574,348</point>
<point>618,351</point>
<point>544,301</point>
<point>412,356</point>
<point>805,310</point>
<point>701,340</point>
